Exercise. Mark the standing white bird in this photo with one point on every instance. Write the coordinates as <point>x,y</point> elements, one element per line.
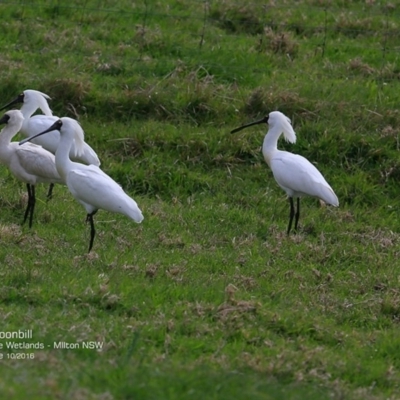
<point>30,164</point>
<point>32,100</point>
<point>88,183</point>
<point>293,173</point>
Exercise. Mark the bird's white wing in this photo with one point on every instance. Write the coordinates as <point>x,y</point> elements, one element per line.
<point>40,123</point>
<point>96,190</point>
<point>50,141</point>
<point>297,176</point>
<point>88,156</point>
<point>37,161</point>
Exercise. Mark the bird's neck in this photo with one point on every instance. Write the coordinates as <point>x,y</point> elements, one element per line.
<point>63,162</point>
<point>28,109</point>
<point>270,145</point>
<point>7,133</point>
<point>5,138</point>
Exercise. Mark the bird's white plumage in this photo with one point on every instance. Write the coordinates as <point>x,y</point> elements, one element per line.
<point>33,99</point>
<point>88,183</point>
<point>282,122</point>
<point>298,177</point>
<point>96,190</point>
<point>32,125</point>
<point>31,163</point>
<point>293,173</point>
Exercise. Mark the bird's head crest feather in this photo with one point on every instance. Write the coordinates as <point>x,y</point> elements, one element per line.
<point>281,121</point>
<point>39,99</point>
<point>79,136</point>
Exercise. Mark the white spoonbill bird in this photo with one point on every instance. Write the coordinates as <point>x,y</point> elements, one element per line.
<point>88,183</point>
<point>32,100</point>
<point>293,173</point>
<point>30,164</point>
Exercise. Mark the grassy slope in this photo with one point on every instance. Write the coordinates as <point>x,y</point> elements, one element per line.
<point>208,297</point>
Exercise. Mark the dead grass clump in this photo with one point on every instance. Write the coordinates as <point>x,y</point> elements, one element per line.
<point>388,72</point>
<point>146,38</point>
<point>151,271</point>
<point>232,309</point>
<point>390,307</point>
<point>262,101</point>
<point>10,232</point>
<point>362,68</point>
<point>389,131</point>
<point>129,147</point>
<point>191,95</point>
<point>236,308</point>
<point>278,43</point>
<point>176,242</point>
<point>110,68</point>
<point>141,102</point>
<point>198,103</point>
<point>243,19</point>
<point>256,103</point>
<point>382,238</point>
<point>247,282</point>
<point>67,94</point>
<point>347,24</point>
<point>10,65</point>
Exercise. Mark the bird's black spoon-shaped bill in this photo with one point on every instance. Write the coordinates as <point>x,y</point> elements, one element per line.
<point>56,126</point>
<point>261,121</point>
<point>17,100</point>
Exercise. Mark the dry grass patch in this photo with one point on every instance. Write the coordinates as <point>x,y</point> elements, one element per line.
<point>349,25</point>
<point>11,232</point>
<point>278,43</point>
<point>238,19</point>
<point>67,95</point>
<point>262,100</point>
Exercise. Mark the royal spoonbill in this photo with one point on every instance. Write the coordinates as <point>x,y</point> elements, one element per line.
<point>88,183</point>
<point>293,173</point>
<point>32,100</point>
<point>30,164</point>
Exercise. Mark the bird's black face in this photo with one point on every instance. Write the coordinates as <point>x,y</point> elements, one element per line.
<point>55,127</point>
<point>4,119</point>
<point>261,121</point>
<point>19,99</point>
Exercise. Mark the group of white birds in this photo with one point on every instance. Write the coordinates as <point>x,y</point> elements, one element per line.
<point>60,155</point>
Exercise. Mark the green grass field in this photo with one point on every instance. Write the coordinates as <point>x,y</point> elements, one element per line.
<point>208,298</point>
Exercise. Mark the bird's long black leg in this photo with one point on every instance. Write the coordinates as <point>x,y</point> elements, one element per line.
<point>291,215</point>
<point>28,187</point>
<point>33,200</point>
<point>31,204</point>
<point>50,192</point>
<point>89,217</point>
<point>296,221</point>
